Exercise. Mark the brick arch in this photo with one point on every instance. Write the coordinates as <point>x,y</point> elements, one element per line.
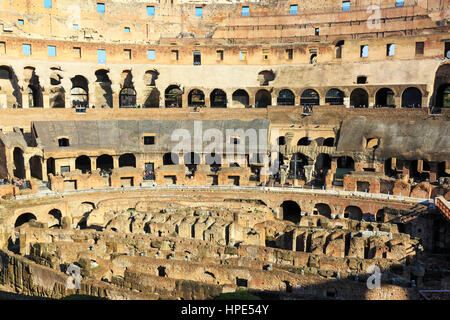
<point>40,212</point>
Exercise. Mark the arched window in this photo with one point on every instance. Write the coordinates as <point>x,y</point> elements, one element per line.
<point>286,98</point>
<point>173,97</point>
<point>218,99</point>
<point>240,98</point>
<point>443,96</point>
<point>24,218</point>
<point>105,162</point>
<point>196,98</point>
<point>291,211</point>
<point>83,163</point>
<point>79,91</point>
<point>127,160</point>
<point>359,98</point>
<point>309,97</point>
<point>385,98</point>
<point>127,98</point>
<point>334,97</point>
<point>263,99</point>
<point>79,97</point>
<point>411,98</point>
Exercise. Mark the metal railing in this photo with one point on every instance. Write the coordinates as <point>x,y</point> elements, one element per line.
<point>291,189</point>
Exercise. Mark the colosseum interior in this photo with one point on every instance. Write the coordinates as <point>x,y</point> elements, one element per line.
<point>333,121</point>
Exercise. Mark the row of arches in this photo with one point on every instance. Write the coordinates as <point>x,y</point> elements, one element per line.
<point>291,211</point>
<point>359,97</point>
<point>54,219</point>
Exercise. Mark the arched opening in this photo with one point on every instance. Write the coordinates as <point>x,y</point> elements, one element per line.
<point>263,99</point>
<point>196,98</point>
<point>79,92</point>
<point>127,160</point>
<point>19,163</point>
<point>286,98</point>
<point>152,100</point>
<point>334,97</point>
<point>309,97</point>
<point>9,85</point>
<point>380,217</point>
<point>291,211</point>
<point>411,98</point>
<point>323,209</point>
<point>50,166</point>
<point>24,218</point>
<point>297,166</point>
<point>443,96</point>
<point>305,141</point>
<point>328,142</point>
<point>281,141</point>
<point>385,98</point>
<point>105,163</point>
<point>83,163</point>
<point>359,98</point>
<point>240,99</point>
<point>36,167</point>
<point>218,99</point>
<point>173,97</point>
<point>170,159</point>
<point>56,214</point>
<point>127,98</point>
<point>103,89</point>
<point>353,212</point>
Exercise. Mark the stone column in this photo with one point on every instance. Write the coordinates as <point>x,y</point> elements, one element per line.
<point>251,100</point>
<point>93,163</point>
<point>44,169</point>
<point>184,99</point>
<point>322,100</point>
<point>347,102</point>
<point>115,161</point>
<point>371,101</point>
<point>25,102</point>
<point>26,166</point>
<point>67,85</point>
<point>398,101</point>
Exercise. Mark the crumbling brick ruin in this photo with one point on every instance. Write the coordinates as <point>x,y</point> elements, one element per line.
<point>334,123</point>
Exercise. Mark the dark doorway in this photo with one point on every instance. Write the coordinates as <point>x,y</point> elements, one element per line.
<point>291,211</point>
<point>127,160</point>
<point>359,98</point>
<point>83,163</point>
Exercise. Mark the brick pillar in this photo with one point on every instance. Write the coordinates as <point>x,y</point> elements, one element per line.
<point>433,172</point>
